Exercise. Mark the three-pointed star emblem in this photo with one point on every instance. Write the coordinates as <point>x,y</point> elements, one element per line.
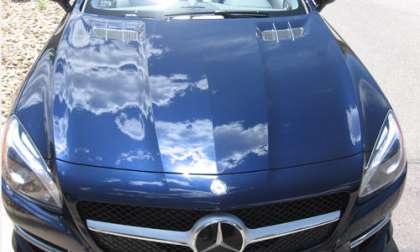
<point>220,236</point>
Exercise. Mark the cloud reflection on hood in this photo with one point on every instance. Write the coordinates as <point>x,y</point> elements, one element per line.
<point>166,88</point>
<point>187,146</point>
<point>60,127</point>
<point>237,142</point>
<point>132,127</point>
<point>190,146</point>
<point>132,156</point>
<point>108,81</point>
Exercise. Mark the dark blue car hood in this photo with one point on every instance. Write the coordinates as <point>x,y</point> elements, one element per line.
<point>202,96</point>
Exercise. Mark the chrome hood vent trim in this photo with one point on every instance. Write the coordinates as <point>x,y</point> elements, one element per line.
<point>116,34</point>
<point>277,35</point>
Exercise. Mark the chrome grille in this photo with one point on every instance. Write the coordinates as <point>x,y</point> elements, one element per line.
<point>184,219</point>
<point>289,226</point>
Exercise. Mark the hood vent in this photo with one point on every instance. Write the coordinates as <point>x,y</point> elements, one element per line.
<point>116,34</point>
<point>277,35</point>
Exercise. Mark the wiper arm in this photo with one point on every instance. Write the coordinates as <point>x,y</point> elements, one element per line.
<point>224,13</point>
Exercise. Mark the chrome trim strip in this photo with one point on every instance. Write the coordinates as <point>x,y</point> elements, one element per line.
<point>35,241</point>
<point>276,231</point>
<point>276,32</point>
<point>370,233</point>
<point>187,238</point>
<point>140,233</point>
<point>84,6</point>
<point>305,4</point>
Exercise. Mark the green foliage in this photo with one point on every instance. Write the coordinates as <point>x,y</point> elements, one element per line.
<point>41,4</point>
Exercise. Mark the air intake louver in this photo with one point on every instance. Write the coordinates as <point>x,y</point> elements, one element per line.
<point>284,34</point>
<point>281,31</point>
<point>116,34</point>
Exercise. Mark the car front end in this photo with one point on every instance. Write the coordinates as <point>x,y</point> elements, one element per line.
<point>201,131</point>
<point>326,215</point>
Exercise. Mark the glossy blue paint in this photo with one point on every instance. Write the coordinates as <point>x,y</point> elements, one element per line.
<point>193,191</point>
<point>48,226</point>
<point>153,116</point>
<point>215,99</point>
<point>368,213</point>
<point>68,232</point>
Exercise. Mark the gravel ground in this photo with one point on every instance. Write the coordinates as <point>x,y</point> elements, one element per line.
<point>384,33</point>
<point>25,28</point>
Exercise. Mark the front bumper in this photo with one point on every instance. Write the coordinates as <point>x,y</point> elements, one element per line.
<point>52,229</point>
<point>65,232</point>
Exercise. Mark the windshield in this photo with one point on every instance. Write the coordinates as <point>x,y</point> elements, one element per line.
<point>179,7</point>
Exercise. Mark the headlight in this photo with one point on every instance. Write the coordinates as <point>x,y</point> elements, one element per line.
<point>387,160</point>
<point>24,169</point>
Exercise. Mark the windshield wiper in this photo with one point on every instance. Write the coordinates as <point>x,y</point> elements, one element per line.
<point>225,13</point>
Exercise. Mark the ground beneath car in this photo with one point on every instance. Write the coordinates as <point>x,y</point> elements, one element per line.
<point>24,29</point>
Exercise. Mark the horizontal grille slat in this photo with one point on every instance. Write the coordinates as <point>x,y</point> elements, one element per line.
<point>294,242</point>
<point>286,212</point>
<point>158,218</point>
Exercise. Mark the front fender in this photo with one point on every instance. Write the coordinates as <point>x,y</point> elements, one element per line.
<point>372,103</point>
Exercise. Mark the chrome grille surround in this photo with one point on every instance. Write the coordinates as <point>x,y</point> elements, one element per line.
<point>183,219</point>
<point>188,238</point>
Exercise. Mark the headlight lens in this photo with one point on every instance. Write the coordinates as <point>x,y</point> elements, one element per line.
<point>24,169</point>
<point>387,160</point>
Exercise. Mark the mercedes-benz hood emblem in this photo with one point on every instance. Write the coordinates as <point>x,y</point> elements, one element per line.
<point>220,236</point>
<point>218,187</point>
